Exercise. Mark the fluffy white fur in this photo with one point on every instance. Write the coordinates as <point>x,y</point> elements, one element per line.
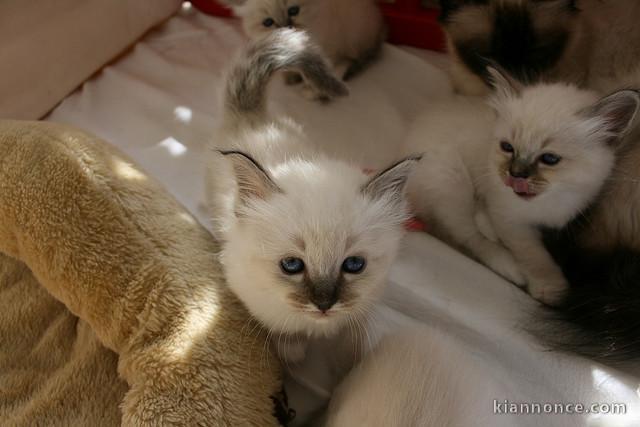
<point>417,378</point>
<point>289,201</point>
<point>322,217</point>
<point>349,32</point>
<point>462,186</point>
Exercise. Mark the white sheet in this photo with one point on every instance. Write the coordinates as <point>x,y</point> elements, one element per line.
<point>159,105</point>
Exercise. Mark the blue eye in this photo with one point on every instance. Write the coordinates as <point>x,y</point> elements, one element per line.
<point>294,10</point>
<point>292,265</point>
<point>268,22</point>
<point>353,265</point>
<point>506,147</point>
<point>550,159</point>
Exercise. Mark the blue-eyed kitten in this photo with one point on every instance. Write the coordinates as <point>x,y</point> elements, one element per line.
<point>307,240</point>
<point>491,178</point>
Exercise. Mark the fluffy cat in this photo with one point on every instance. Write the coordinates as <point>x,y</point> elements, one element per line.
<point>350,32</point>
<point>307,240</point>
<point>489,186</point>
<point>591,43</point>
<point>415,378</point>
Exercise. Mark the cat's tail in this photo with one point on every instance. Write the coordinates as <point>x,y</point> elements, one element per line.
<point>600,317</point>
<point>283,49</point>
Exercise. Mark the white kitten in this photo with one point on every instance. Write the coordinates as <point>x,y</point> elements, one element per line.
<point>307,240</point>
<point>416,378</point>
<point>349,32</point>
<point>541,162</point>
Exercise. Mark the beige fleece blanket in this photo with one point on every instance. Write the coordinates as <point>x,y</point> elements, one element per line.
<point>113,308</point>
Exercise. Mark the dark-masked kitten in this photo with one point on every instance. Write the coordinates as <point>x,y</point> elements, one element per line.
<point>590,43</point>
<point>307,240</point>
<point>488,186</point>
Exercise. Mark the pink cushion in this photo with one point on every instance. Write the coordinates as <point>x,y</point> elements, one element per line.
<point>49,48</point>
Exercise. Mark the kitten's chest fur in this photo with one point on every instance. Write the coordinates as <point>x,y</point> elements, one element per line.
<point>549,210</point>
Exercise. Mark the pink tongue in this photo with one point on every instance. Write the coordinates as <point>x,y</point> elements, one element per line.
<point>519,185</point>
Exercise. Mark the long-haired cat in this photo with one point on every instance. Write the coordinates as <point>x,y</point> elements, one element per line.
<point>414,378</point>
<point>489,186</point>
<point>350,32</point>
<point>307,240</point>
<point>591,43</point>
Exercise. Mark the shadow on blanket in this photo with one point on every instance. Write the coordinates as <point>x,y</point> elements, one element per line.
<point>140,329</point>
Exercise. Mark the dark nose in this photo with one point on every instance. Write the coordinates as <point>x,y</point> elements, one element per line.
<point>518,170</point>
<point>325,305</point>
<point>324,295</point>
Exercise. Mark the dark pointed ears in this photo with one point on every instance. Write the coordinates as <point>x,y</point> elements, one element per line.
<point>503,84</point>
<point>617,112</point>
<point>391,182</point>
<point>254,182</point>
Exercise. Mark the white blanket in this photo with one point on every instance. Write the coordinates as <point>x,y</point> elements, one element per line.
<point>159,104</point>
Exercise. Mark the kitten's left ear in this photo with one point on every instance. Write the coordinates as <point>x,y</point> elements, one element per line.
<point>391,181</point>
<point>253,181</point>
<point>617,113</point>
<point>504,85</point>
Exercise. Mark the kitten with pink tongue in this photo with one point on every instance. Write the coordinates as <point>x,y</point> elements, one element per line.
<point>520,186</point>
<point>492,175</point>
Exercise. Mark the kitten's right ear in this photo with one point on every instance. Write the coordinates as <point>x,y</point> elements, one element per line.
<point>391,181</point>
<point>504,85</point>
<point>617,113</point>
<point>253,181</point>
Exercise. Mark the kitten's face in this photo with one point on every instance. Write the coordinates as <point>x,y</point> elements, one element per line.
<point>525,37</point>
<point>263,16</point>
<point>316,250</point>
<point>555,141</point>
<point>541,145</point>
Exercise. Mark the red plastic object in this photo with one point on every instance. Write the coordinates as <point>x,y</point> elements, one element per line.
<point>409,23</point>
<point>210,7</point>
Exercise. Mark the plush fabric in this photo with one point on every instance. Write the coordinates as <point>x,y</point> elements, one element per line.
<point>112,301</point>
<point>48,48</point>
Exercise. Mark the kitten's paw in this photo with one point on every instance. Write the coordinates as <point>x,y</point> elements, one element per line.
<point>292,351</point>
<point>549,292</point>
<point>502,262</point>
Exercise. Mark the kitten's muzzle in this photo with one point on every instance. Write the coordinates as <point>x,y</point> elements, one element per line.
<point>324,294</point>
<point>518,178</point>
<point>520,170</point>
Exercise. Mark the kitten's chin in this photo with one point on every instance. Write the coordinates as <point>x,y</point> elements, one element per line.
<point>525,196</point>
<point>520,187</point>
<point>323,324</point>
